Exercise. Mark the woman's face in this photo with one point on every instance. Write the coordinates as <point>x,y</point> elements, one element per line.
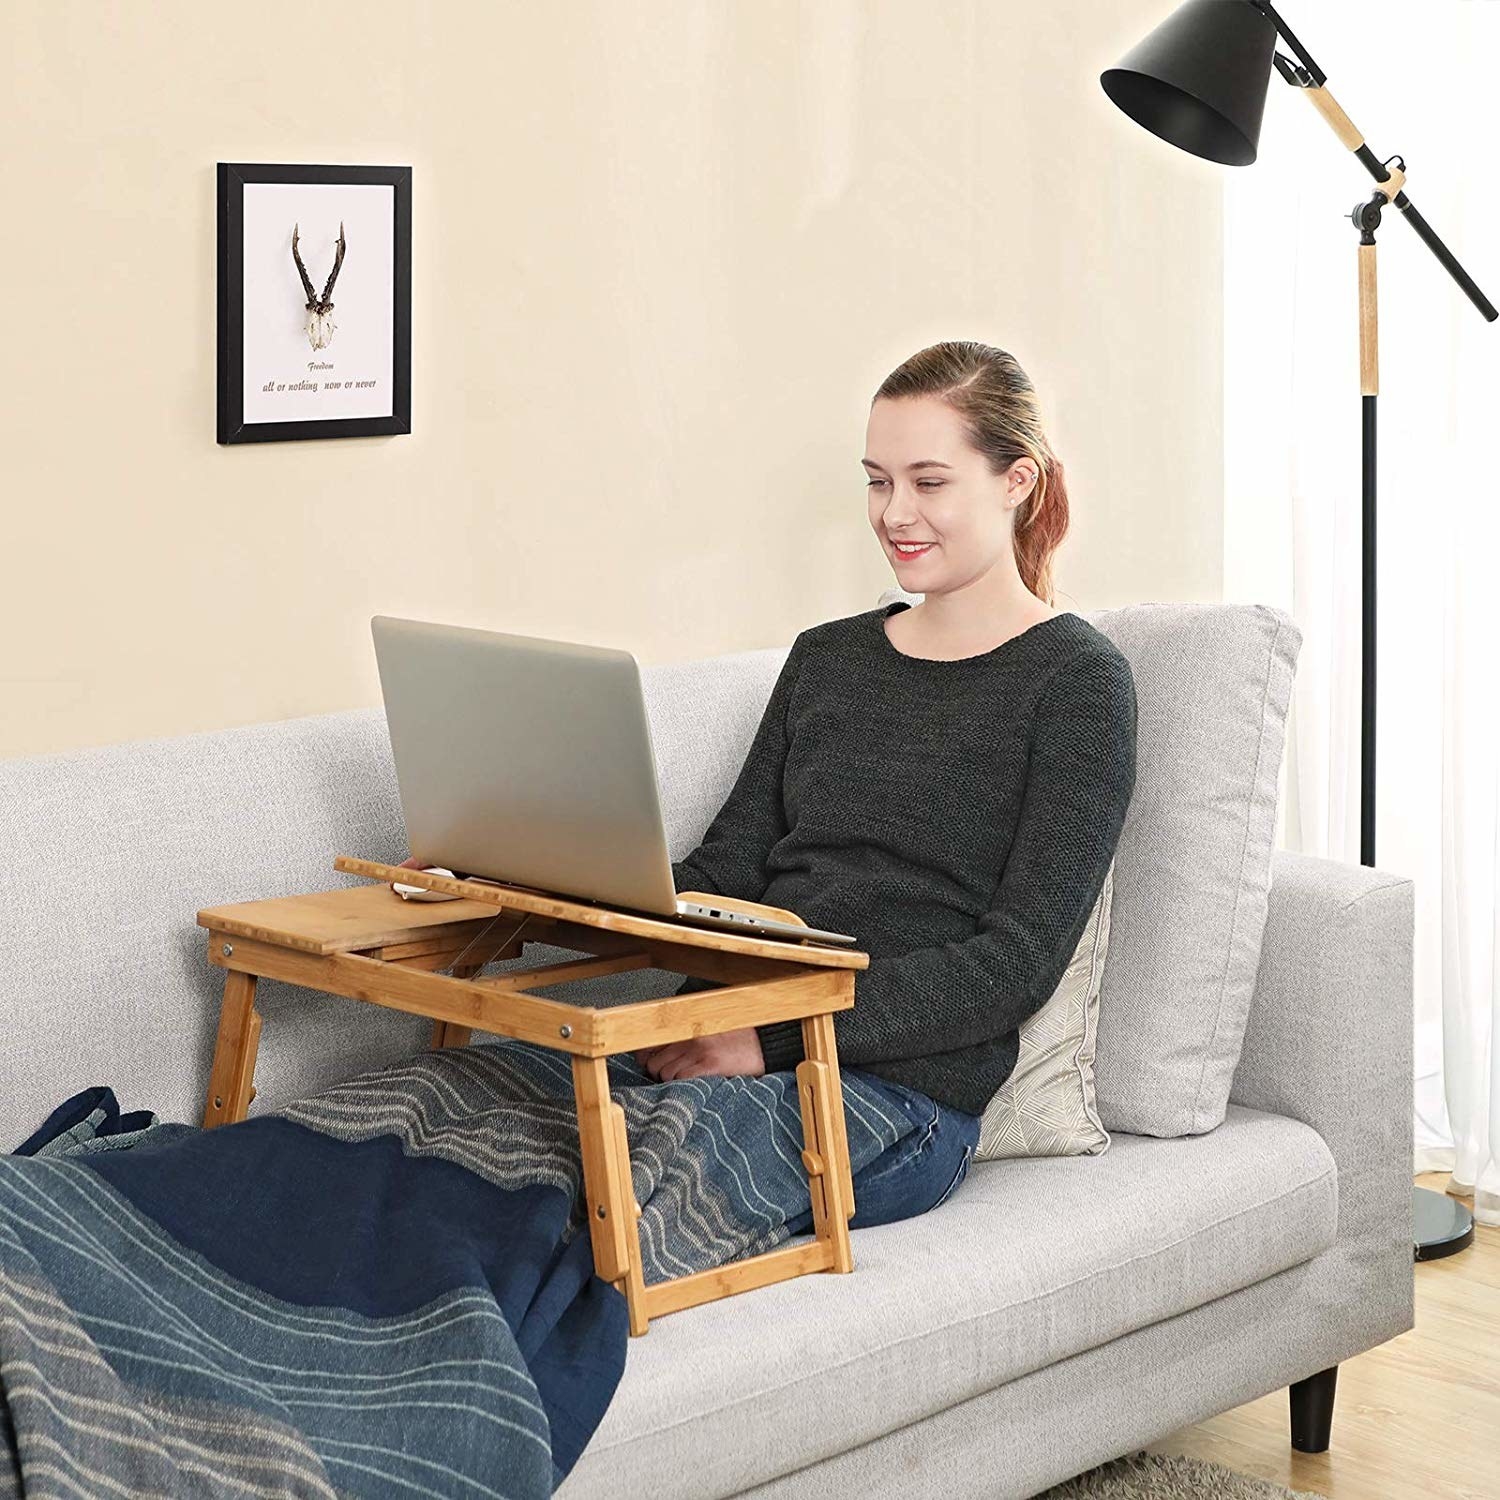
<point>926,484</point>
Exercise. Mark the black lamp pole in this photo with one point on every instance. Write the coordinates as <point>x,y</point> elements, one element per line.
<point>1199,81</point>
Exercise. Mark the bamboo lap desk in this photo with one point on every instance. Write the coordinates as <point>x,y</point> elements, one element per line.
<point>364,942</point>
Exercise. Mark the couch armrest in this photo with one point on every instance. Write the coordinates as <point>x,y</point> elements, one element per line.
<point>1329,1043</point>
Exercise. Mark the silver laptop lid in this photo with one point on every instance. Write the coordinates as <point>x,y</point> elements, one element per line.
<point>525,760</point>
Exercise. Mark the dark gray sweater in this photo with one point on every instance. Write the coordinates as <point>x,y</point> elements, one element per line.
<point>958,817</point>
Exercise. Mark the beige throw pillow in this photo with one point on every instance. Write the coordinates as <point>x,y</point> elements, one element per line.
<point>1046,1107</point>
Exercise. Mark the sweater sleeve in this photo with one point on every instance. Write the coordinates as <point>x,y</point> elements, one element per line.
<point>1080,776</point>
<point>731,858</point>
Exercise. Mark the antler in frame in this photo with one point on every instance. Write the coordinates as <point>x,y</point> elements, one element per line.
<point>338,260</point>
<point>320,324</point>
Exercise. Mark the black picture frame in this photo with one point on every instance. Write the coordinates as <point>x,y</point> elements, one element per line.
<point>232,424</point>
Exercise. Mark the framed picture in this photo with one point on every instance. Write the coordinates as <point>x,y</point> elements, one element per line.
<point>314,301</point>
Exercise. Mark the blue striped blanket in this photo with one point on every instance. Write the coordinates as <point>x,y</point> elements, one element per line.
<point>386,1289</point>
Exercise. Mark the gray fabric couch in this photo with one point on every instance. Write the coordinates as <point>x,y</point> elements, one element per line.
<point>1052,1314</point>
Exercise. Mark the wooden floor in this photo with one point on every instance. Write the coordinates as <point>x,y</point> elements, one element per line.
<point>1417,1416</point>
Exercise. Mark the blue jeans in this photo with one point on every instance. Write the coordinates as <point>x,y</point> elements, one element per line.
<point>923,1168</point>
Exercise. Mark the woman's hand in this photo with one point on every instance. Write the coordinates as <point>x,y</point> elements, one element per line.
<point>726,1054</point>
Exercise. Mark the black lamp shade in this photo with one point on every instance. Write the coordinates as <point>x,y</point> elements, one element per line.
<point>1199,79</point>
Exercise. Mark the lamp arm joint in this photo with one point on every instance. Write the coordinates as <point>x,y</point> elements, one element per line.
<point>1309,75</point>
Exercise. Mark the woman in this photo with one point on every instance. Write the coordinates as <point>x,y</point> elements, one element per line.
<point>946,781</point>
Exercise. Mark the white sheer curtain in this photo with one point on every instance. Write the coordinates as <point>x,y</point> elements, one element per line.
<point>1421,82</point>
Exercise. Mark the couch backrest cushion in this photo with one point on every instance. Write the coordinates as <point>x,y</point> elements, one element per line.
<point>1193,866</point>
<point>113,851</point>
<point>1192,872</point>
<point>105,979</point>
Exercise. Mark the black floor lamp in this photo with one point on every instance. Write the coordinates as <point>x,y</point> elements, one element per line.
<point>1199,80</point>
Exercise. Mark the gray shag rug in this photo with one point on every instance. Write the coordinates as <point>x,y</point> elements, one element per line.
<point>1163,1476</point>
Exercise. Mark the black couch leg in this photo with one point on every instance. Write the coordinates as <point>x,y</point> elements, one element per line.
<point>1312,1410</point>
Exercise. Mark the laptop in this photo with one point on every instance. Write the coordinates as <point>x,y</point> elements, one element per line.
<point>529,762</point>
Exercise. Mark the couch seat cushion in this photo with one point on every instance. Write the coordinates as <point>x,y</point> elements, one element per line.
<point>1031,1261</point>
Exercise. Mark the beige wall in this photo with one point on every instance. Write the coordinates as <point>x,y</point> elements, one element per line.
<point>662,255</point>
